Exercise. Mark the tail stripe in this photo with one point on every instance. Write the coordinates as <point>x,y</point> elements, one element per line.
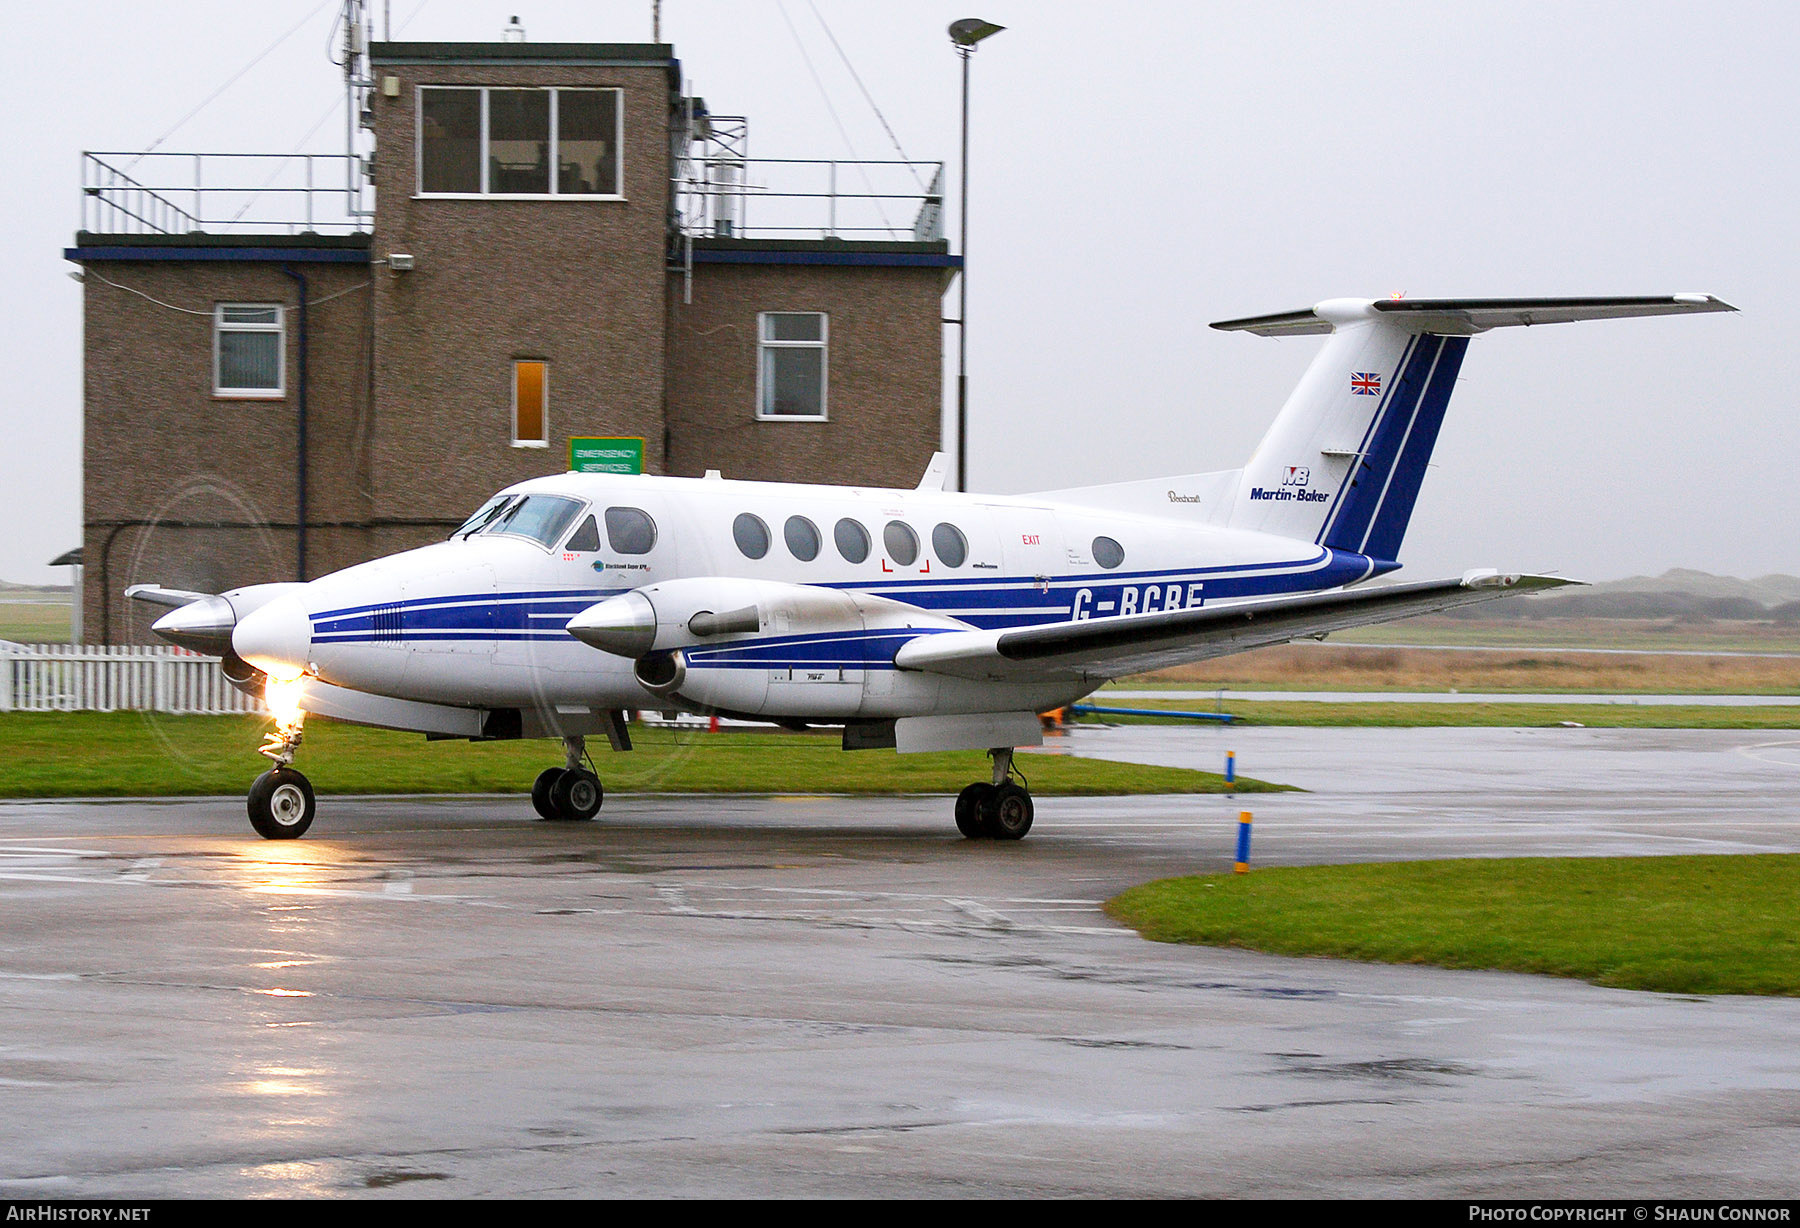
<point>1412,421</point>
<point>1394,509</point>
<point>1362,448</point>
<point>1367,479</point>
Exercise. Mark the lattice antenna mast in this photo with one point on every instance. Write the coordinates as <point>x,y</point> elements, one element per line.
<point>358,82</point>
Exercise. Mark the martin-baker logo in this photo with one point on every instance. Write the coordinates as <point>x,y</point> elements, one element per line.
<point>1294,488</point>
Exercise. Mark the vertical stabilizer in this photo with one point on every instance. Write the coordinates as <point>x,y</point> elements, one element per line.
<point>1343,461</point>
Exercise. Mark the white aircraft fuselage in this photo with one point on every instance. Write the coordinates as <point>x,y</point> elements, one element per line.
<point>915,619</point>
<point>483,620</point>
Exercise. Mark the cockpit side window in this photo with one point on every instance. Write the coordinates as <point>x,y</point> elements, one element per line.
<point>630,530</point>
<point>586,539</point>
<point>484,516</point>
<point>542,518</point>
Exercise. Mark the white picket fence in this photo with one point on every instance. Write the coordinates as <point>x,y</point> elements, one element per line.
<point>94,678</point>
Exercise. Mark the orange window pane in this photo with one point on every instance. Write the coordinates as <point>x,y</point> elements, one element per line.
<point>529,388</point>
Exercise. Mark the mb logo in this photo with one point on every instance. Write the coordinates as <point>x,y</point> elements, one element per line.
<point>1296,476</point>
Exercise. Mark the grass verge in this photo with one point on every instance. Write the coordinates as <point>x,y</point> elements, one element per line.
<point>139,754</point>
<point>1702,925</point>
<point>25,623</point>
<point>1397,715</point>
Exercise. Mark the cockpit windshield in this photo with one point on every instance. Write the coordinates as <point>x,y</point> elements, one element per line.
<point>542,518</point>
<point>483,516</point>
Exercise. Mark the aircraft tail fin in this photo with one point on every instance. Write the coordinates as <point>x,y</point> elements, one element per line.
<point>1344,460</point>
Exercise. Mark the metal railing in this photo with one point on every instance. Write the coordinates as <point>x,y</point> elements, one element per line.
<point>224,193</point>
<point>97,678</point>
<point>809,198</point>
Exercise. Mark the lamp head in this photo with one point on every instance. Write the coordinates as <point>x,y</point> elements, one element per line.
<point>967,31</point>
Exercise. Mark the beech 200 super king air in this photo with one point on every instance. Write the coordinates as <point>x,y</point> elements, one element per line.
<point>917,620</point>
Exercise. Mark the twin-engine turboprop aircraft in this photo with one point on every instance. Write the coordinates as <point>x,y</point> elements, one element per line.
<point>917,620</point>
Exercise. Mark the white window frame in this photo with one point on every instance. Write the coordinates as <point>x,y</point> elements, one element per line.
<point>823,345</point>
<point>278,328</point>
<point>530,443</point>
<point>419,192</point>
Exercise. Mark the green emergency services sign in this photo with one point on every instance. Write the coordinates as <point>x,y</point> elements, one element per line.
<point>593,454</point>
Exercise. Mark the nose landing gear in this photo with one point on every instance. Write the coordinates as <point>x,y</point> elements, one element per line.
<point>999,811</point>
<point>281,800</point>
<point>569,793</point>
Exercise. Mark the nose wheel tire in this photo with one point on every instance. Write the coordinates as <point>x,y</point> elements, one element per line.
<point>281,804</point>
<point>1007,813</point>
<point>574,794</point>
<point>969,805</point>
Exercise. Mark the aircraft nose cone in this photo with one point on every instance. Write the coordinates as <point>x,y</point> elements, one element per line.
<point>204,625</point>
<point>624,626</point>
<point>276,639</point>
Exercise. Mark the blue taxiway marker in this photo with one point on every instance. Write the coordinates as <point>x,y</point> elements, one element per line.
<point>1224,717</point>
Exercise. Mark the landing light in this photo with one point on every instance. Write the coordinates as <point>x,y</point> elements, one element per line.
<point>282,695</point>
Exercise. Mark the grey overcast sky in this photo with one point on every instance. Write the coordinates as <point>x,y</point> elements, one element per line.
<point>1139,171</point>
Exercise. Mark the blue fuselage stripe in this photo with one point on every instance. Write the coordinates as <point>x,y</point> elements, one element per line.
<point>1003,603</point>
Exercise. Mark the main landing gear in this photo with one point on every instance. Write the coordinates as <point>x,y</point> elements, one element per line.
<point>281,799</point>
<point>998,811</point>
<point>571,792</point>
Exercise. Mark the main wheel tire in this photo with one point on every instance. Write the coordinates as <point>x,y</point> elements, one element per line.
<point>577,795</point>
<point>541,789</point>
<point>969,804</point>
<point>1007,815</point>
<point>281,804</point>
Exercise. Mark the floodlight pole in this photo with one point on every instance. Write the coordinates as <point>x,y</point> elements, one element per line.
<point>964,35</point>
<point>962,308</point>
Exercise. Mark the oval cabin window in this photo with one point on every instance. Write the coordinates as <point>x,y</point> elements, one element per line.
<point>1108,553</point>
<point>951,546</point>
<point>802,537</point>
<point>852,540</point>
<point>901,542</point>
<point>751,535</point>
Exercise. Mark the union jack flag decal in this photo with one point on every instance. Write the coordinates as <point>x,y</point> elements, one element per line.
<point>1365,383</point>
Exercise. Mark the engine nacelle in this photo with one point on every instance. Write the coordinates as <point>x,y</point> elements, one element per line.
<point>758,647</point>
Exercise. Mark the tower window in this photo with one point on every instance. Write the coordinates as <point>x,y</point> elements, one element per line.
<point>480,141</point>
<point>792,364</point>
<point>531,404</point>
<point>248,350</point>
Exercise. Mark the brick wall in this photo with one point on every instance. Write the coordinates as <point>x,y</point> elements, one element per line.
<point>579,283</point>
<point>159,447</point>
<point>885,374</point>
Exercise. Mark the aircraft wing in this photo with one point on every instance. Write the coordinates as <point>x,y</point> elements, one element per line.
<point>1131,644</point>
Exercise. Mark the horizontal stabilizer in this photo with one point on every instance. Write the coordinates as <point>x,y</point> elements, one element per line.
<point>1100,648</point>
<point>1463,317</point>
